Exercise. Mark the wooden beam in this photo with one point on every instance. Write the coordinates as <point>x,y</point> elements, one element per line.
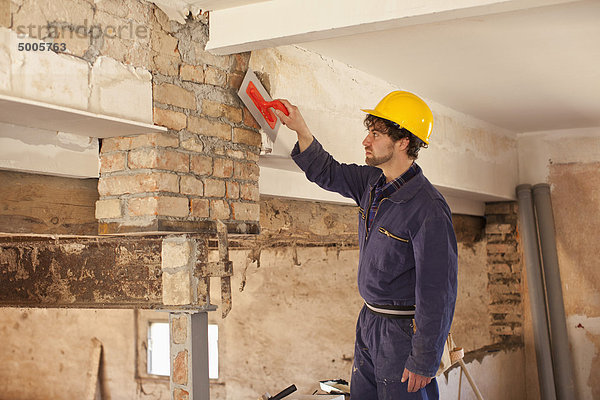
<point>31,203</point>
<point>90,271</point>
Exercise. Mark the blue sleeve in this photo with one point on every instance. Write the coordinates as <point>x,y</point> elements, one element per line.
<point>436,265</point>
<point>349,180</point>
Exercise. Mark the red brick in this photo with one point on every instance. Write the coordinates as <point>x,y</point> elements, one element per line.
<point>192,73</point>
<point>180,394</point>
<point>138,183</point>
<point>191,186</point>
<point>170,119</point>
<point>180,368</point>
<point>170,160</point>
<point>155,205</point>
<point>179,329</point>
<point>241,62</point>
<point>232,190</point>
<point>133,142</point>
<point>207,127</point>
<point>201,165</point>
<point>249,119</point>
<point>191,142</point>
<point>214,188</point>
<point>200,208</point>
<point>250,156</point>
<point>167,93</point>
<point>219,110</point>
<point>112,162</point>
<point>502,248</point>
<point>219,209</point>
<point>249,191</point>
<point>246,136</point>
<point>234,80</point>
<point>246,170</point>
<point>106,209</point>
<point>215,76</point>
<point>222,168</point>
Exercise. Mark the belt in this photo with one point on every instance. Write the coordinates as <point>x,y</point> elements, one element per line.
<point>391,311</point>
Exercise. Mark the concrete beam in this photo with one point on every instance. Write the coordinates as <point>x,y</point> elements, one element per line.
<point>150,272</point>
<point>283,22</point>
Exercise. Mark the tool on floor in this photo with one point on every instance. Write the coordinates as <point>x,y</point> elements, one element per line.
<point>258,101</point>
<point>284,393</point>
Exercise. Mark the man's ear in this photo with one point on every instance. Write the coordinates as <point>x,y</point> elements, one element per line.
<point>402,144</point>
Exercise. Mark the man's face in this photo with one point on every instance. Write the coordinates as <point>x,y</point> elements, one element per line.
<point>379,147</point>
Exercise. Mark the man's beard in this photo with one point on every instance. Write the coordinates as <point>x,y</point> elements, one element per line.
<point>375,161</point>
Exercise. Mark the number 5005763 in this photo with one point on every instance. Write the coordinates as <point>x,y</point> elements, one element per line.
<point>43,46</point>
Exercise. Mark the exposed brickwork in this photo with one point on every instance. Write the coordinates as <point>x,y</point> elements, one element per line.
<point>180,368</point>
<point>206,166</point>
<point>505,284</point>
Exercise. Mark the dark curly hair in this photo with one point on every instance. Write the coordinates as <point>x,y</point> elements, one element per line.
<point>395,132</point>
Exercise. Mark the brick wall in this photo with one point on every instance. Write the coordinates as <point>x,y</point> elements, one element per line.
<point>505,266</point>
<point>205,168</point>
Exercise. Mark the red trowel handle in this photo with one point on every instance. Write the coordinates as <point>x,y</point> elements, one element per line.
<point>278,105</point>
<point>263,106</point>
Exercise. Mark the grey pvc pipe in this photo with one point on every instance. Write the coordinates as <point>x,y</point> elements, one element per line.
<point>561,356</point>
<point>537,300</point>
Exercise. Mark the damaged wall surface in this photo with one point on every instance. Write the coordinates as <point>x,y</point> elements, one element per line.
<point>295,304</point>
<point>577,222</point>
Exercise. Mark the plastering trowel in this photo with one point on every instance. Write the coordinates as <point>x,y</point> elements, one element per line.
<point>259,103</point>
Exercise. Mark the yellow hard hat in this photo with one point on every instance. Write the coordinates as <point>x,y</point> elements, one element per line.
<point>408,111</point>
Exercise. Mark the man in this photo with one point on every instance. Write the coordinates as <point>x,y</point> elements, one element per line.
<point>408,259</point>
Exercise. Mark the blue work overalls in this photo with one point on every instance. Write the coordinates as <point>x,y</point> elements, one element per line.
<point>407,257</point>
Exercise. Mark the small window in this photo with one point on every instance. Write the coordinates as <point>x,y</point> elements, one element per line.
<point>158,350</point>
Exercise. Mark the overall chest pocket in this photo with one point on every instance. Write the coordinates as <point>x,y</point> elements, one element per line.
<point>391,252</point>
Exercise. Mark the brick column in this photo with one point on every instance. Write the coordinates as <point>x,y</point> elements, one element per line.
<point>505,284</point>
<point>205,168</point>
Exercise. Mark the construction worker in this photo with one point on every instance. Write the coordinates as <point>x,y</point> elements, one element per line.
<point>407,271</point>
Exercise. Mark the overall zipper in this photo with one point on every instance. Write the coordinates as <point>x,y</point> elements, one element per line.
<point>374,216</point>
<point>391,235</point>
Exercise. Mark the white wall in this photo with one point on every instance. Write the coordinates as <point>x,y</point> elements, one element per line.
<point>538,150</point>
<point>469,160</point>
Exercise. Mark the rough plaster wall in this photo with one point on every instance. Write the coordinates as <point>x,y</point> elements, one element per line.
<point>46,353</point>
<point>575,202</point>
<point>465,154</point>
<point>293,322</point>
<point>470,327</point>
<point>105,74</point>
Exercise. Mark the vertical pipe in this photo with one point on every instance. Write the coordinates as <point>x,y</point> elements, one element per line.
<point>563,367</point>
<point>536,292</point>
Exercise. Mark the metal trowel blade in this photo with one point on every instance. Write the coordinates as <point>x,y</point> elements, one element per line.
<point>251,77</point>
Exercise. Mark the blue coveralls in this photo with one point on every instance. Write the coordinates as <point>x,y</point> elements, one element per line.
<point>408,257</point>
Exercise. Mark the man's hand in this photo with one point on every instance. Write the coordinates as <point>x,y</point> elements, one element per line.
<point>415,382</point>
<point>295,122</point>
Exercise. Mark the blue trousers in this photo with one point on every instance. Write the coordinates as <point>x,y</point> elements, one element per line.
<point>381,349</point>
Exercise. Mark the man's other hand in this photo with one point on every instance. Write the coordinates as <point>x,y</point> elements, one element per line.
<point>415,382</point>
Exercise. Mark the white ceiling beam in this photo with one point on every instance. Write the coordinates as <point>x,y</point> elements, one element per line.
<point>283,22</point>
